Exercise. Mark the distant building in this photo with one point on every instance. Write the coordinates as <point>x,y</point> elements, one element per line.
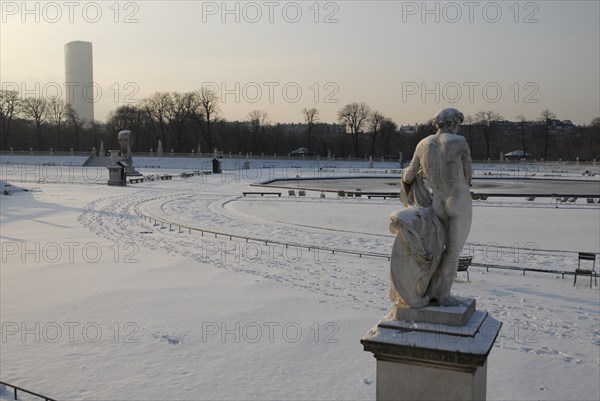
<point>79,78</point>
<point>325,128</point>
<point>557,125</point>
<point>554,125</point>
<point>292,128</point>
<point>518,155</point>
<point>408,129</point>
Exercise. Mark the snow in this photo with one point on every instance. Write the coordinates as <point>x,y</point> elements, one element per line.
<point>98,303</point>
<point>444,338</point>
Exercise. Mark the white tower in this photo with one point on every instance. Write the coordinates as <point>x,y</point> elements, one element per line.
<point>79,78</point>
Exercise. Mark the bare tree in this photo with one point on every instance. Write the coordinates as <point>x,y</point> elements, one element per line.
<point>58,113</point>
<point>128,117</point>
<point>124,117</point>
<point>522,119</point>
<point>389,131</point>
<point>98,129</point>
<point>156,106</point>
<point>75,121</point>
<point>311,116</point>
<point>469,124</point>
<point>258,121</point>
<point>37,108</point>
<point>206,111</point>
<point>177,113</point>
<point>354,116</point>
<point>594,138</point>
<point>546,117</point>
<point>10,107</point>
<point>486,119</point>
<point>376,121</point>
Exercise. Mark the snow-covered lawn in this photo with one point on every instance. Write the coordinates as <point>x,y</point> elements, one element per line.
<point>98,303</point>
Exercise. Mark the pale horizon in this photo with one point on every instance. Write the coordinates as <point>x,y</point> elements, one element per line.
<point>513,58</point>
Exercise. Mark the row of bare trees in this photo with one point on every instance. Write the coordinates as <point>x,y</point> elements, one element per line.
<point>487,119</point>
<point>169,117</point>
<point>356,116</point>
<point>53,112</point>
<point>188,121</point>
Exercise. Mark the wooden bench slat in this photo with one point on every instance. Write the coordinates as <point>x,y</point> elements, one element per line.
<point>587,256</point>
<point>463,265</point>
<point>262,193</point>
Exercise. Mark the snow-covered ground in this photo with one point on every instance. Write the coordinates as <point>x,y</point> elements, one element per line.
<point>99,303</point>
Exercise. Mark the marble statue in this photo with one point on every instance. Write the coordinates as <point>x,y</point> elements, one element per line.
<point>125,138</point>
<point>434,224</point>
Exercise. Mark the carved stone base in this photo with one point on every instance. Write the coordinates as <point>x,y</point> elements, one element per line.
<point>449,315</point>
<point>431,359</point>
<point>116,176</point>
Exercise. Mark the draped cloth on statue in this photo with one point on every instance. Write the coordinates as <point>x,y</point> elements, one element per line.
<point>418,247</point>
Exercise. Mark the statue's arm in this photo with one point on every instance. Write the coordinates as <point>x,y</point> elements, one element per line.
<point>467,163</point>
<point>410,172</point>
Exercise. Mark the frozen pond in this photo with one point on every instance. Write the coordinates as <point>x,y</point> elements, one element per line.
<point>391,184</point>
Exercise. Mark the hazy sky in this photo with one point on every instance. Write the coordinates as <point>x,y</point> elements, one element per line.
<point>405,59</point>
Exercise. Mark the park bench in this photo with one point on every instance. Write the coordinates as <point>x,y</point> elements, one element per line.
<point>586,271</point>
<point>463,265</point>
<point>301,193</point>
<point>384,196</point>
<point>262,193</point>
<point>291,192</point>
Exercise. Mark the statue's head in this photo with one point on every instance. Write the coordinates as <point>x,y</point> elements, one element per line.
<point>448,119</point>
<point>124,138</point>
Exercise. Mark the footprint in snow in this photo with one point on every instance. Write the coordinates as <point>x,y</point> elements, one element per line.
<point>169,339</point>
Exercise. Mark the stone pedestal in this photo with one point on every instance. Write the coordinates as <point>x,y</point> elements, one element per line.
<point>116,175</point>
<point>433,353</point>
<point>114,156</point>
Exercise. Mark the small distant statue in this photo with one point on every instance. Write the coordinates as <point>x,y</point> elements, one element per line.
<point>125,138</point>
<point>435,223</point>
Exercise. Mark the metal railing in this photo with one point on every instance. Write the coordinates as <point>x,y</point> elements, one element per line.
<point>182,228</point>
<point>16,389</point>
